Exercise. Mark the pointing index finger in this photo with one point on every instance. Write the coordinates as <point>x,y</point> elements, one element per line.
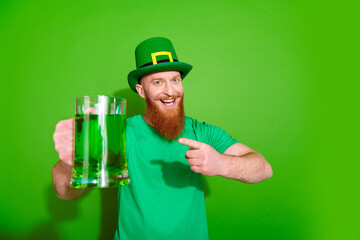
<point>190,143</point>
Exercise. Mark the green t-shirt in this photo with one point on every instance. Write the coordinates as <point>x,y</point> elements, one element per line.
<point>165,198</point>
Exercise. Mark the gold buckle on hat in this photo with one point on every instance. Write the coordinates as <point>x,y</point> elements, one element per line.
<point>154,55</point>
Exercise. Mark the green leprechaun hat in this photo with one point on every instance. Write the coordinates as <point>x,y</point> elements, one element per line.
<point>156,55</point>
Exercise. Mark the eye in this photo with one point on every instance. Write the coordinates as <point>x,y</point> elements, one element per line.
<point>157,82</point>
<point>176,80</point>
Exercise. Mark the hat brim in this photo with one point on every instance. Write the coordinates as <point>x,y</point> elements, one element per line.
<point>135,75</point>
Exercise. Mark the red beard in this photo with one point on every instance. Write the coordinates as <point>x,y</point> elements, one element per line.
<point>169,123</point>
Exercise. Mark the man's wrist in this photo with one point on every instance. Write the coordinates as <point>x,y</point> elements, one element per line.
<point>224,165</point>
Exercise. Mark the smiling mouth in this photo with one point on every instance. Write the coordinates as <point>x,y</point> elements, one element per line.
<point>169,102</point>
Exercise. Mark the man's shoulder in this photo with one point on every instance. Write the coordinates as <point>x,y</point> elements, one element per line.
<point>198,125</point>
<point>133,119</point>
<point>187,118</point>
<point>189,121</point>
<point>194,122</point>
<point>133,122</point>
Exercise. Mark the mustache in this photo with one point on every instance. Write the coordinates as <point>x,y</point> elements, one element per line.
<point>169,97</point>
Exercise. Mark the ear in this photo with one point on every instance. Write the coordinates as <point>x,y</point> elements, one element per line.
<point>140,90</point>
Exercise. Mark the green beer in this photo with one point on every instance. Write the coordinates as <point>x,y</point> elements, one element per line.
<point>100,151</point>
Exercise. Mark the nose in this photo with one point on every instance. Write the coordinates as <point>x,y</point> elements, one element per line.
<point>169,89</point>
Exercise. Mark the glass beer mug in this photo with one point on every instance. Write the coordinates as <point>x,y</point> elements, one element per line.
<point>100,142</point>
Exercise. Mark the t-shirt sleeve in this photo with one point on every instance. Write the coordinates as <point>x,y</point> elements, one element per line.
<point>214,136</point>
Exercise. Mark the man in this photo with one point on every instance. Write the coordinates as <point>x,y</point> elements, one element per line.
<point>166,153</point>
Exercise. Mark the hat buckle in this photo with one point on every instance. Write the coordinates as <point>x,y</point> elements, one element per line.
<point>155,54</point>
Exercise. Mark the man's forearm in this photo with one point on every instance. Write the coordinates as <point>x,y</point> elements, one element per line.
<point>249,168</point>
<point>61,173</point>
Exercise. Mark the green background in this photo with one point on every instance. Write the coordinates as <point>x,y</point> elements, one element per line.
<point>276,75</point>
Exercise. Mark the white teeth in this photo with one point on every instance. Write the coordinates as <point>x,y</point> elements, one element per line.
<point>168,101</point>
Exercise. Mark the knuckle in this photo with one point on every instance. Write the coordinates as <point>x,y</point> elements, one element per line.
<point>69,122</point>
<point>55,136</point>
<point>207,152</point>
<point>67,155</point>
<point>59,124</point>
<point>62,156</point>
<point>206,162</point>
<point>58,148</point>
